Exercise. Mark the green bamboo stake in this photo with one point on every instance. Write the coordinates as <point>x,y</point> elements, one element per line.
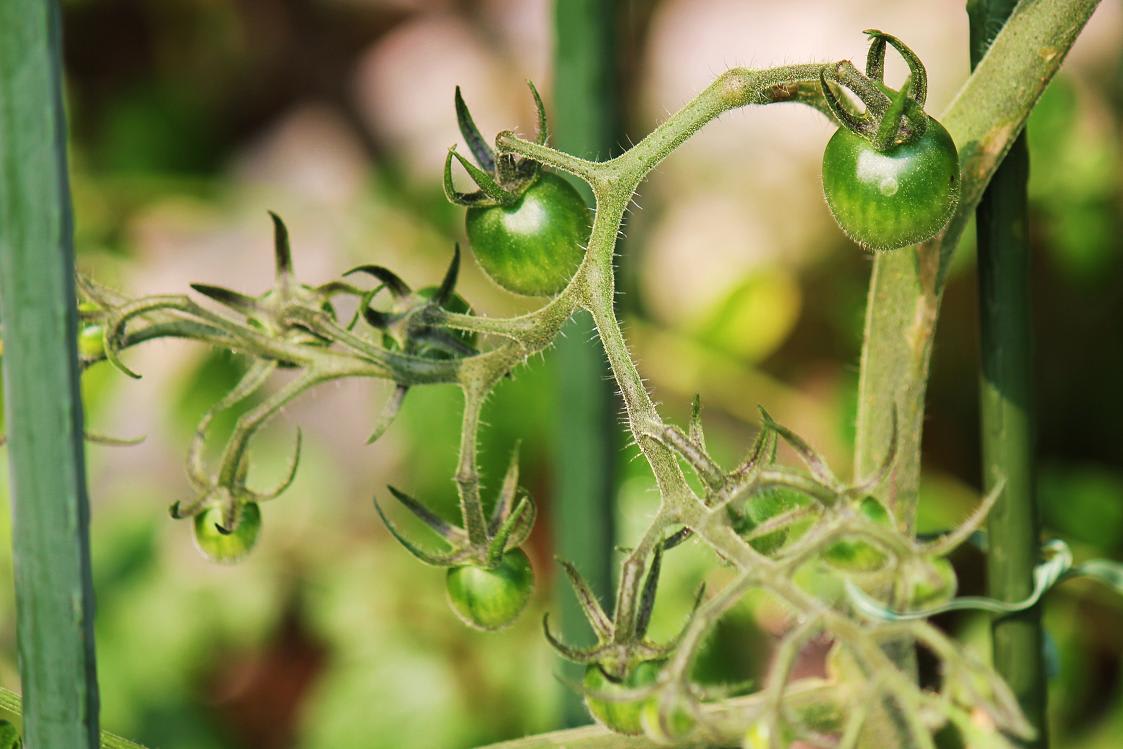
<point>12,705</point>
<point>50,540</point>
<point>586,123</point>
<point>1006,403</point>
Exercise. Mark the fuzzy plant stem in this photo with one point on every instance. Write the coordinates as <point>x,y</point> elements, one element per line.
<point>50,528</point>
<point>1006,403</point>
<point>586,124</point>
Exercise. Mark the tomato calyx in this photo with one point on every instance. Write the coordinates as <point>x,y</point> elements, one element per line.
<point>489,579</point>
<point>509,526</point>
<point>892,116</point>
<point>502,179</point>
<point>411,323</point>
<point>621,640</point>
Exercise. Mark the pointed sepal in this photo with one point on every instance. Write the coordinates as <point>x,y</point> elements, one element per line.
<point>434,560</point>
<point>486,182</point>
<point>448,284</point>
<point>875,63</point>
<point>236,301</point>
<point>398,288</point>
<point>282,251</point>
<point>479,147</point>
<point>594,612</point>
<point>542,134</point>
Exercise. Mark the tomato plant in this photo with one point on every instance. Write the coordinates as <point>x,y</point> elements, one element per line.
<point>529,231</point>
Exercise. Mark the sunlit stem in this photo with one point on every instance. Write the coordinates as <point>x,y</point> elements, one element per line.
<point>467,472</point>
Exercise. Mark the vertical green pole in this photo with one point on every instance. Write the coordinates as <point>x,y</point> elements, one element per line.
<point>586,123</point>
<point>50,542</point>
<point>1006,402</point>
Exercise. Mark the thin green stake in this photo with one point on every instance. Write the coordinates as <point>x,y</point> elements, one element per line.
<point>50,544</point>
<point>1006,403</point>
<point>586,123</point>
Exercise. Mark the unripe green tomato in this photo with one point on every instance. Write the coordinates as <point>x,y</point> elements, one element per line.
<point>491,599</point>
<point>227,548</point>
<point>620,716</point>
<point>91,342</point>
<point>534,246</point>
<point>679,724</point>
<point>860,556</point>
<point>933,584</point>
<point>884,200</point>
<point>759,736</point>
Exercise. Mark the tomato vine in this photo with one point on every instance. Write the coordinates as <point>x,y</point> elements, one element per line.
<point>432,336</point>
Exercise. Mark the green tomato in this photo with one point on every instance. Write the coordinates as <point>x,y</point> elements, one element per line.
<point>620,716</point>
<point>227,548</point>
<point>860,556</point>
<point>759,736</point>
<point>884,200</point>
<point>679,724</point>
<point>91,342</point>
<point>534,246</point>
<point>491,599</point>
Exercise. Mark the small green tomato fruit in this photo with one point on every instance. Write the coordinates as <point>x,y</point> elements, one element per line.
<point>860,556</point>
<point>491,599</point>
<point>91,342</point>
<point>759,736</point>
<point>227,548</point>
<point>621,716</point>
<point>885,200</point>
<point>534,246</point>
<point>671,731</point>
